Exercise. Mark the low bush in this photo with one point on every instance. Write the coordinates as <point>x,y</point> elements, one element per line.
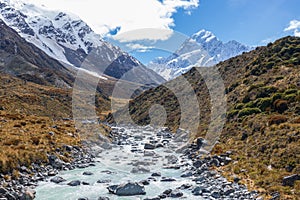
<point>265,91</point>
<point>248,111</point>
<point>232,113</point>
<point>290,91</point>
<point>277,119</point>
<point>290,97</point>
<point>239,106</point>
<point>280,105</point>
<point>264,103</point>
<point>277,96</point>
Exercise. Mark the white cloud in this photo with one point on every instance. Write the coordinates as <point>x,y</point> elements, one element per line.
<point>294,26</point>
<point>106,15</point>
<point>144,34</point>
<point>139,47</point>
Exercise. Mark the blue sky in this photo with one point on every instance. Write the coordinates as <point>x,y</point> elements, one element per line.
<point>251,22</point>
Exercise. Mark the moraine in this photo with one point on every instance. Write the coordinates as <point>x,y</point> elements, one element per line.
<point>145,160</point>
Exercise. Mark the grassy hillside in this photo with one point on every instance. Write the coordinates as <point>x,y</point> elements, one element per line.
<point>263,114</point>
<point>34,121</point>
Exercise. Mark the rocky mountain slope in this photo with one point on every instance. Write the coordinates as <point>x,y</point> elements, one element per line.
<point>67,38</point>
<point>22,59</point>
<point>262,127</point>
<point>202,49</point>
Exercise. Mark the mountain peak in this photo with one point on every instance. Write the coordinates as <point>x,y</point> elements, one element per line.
<point>203,35</point>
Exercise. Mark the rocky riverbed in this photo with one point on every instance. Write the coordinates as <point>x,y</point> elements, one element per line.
<point>145,163</point>
<point>22,186</point>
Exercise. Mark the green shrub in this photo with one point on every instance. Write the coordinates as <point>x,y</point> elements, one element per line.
<point>239,106</point>
<point>277,96</point>
<point>232,113</point>
<point>266,91</point>
<point>279,78</point>
<point>246,99</point>
<point>255,86</point>
<point>248,111</point>
<point>269,65</point>
<point>290,97</point>
<point>250,104</point>
<point>264,103</point>
<point>290,91</point>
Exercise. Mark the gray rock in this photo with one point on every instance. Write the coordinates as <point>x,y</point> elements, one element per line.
<point>176,194</point>
<point>172,159</point>
<point>3,191</point>
<point>104,181</point>
<point>275,196</point>
<point>216,194</point>
<point>103,198</point>
<point>158,174</point>
<point>236,179</point>
<point>185,186</point>
<point>153,198</point>
<point>52,173</point>
<point>85,183</point>
<point>290,180</point>
<point>57,179</point>
<point>215,162</point>
<point>149,146</point>
<point>140,170</point>
<point>227,160</point>
<point>106,146</point>
<point>187,174</point>
<point>167,179</point>
<point>87,173</point>
<point>29,194</point>
<point>145,182</point>
<point>197,191</point>
<point>197,164</point>
<point>167,192</point>
<point>228,190</point>
<point>149,153</point>
<point>74,183</point>
<point>127,189</point>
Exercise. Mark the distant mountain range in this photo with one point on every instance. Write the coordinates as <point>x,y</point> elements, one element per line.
<point>202,49</point>
<point>68,39</point>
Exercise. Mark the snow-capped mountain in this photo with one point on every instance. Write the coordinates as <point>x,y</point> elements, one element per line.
<point>202,49</point>
<point>67,38</point>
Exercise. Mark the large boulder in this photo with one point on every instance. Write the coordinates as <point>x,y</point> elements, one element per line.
<point>127,189</point>
<point>290,180</point>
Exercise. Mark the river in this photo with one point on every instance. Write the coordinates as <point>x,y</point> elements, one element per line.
<point>128,160</point>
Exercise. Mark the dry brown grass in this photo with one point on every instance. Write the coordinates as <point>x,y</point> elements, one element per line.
<point>26,139</point>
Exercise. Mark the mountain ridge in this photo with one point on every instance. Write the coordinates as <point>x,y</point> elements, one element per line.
<point>68,39</point>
